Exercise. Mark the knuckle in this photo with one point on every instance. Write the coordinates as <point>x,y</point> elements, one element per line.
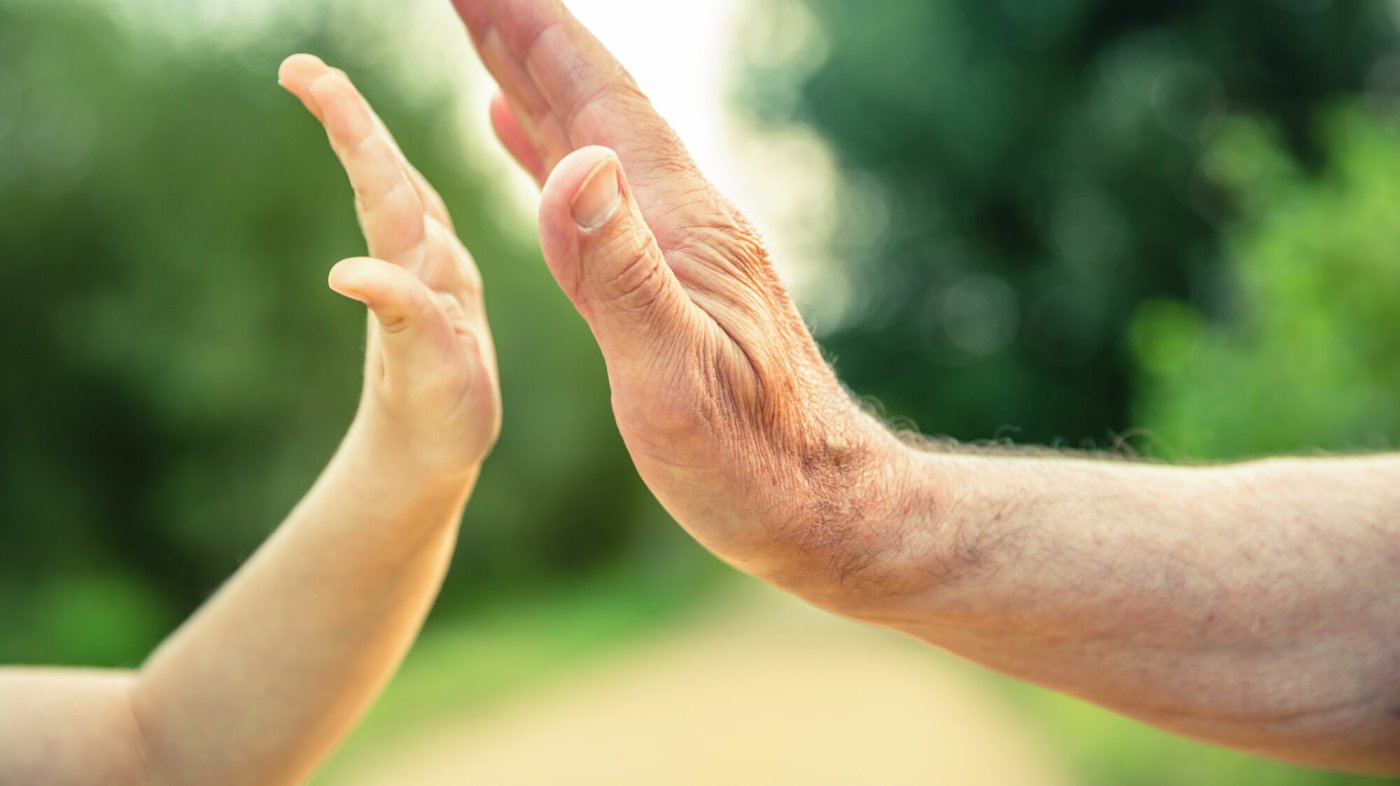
<point>723,242</point>
<point>614,93</point>
<point>402,318</point>
<point>395,196</point>
<point>393,323</point>
<point>651,141</point>
<point>634,283</point>
<point>636,286</point>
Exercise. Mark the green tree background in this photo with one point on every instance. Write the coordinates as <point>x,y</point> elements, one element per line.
<point>1093,217</point>
<point>1036,171</point>
<point>1307,356</point>
<point>177,372</point>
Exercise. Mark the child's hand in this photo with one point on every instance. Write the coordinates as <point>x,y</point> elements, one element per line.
<point>431,396</point>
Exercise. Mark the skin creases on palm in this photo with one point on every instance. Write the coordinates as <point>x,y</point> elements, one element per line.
<point>731,415</point>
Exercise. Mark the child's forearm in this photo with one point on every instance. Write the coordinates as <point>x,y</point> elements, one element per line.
<point>260,685</point>
<point>266,679</point>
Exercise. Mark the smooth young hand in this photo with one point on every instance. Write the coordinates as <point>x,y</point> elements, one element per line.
<point>262,684</point>
<point>431,397</point>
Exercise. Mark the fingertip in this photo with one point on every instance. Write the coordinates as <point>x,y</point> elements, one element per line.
<point>296,74</point>
<point>597,199</point>
<point>297,65</point>
<point>562,187</point>
<point>571,172</point>
<point>347,278</point>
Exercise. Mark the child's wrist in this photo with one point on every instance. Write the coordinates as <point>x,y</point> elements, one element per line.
<point>401,460</point>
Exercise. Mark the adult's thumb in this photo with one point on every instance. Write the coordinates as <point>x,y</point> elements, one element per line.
<point>606,258</point>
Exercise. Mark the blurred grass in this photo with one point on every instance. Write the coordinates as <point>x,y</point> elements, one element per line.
<point>467,663</point>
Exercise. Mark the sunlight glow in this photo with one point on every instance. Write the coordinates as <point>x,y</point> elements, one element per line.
<point>682,55</point>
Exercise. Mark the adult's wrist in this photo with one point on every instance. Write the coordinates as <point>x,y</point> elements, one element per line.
<point>891,538</point>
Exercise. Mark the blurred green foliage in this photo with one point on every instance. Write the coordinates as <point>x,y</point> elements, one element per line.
<point>1024,184</point>
<point>177,372</point>
<point>1019,177</point>
<point>1308,355</point>
<point>1065,219</point>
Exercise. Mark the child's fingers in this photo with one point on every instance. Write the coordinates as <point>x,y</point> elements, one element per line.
<point>296,75</point>
<point>432,201</point>
<point>299,71</point>
<point>443,244</point>
<point>414,332</point>
<point>391,212</point>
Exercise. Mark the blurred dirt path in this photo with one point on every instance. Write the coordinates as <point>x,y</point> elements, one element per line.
<point>759,690</point>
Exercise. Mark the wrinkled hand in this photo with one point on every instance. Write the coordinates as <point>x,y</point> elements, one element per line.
<point>731,414</point>
<point>431,397</point>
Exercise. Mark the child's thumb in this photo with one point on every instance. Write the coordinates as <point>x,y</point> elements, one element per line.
<point>401,303</point>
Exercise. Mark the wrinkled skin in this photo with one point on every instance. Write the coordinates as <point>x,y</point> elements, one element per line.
<point>732,416</point>
<point>1139,587</point>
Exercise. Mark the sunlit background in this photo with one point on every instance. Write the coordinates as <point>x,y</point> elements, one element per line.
<point>1168,228</point>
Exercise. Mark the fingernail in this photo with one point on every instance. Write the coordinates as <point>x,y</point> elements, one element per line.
<point>597,199</point>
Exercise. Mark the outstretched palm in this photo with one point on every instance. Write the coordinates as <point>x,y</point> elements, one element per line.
<point>731,414</point>
<point>430,364</point>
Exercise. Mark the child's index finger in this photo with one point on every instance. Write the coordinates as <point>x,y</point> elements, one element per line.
<point>391,211</point>
<point>347,117</point>
<point>296,75</point>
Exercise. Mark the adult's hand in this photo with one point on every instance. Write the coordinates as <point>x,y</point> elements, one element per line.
<point>732,416</point>
<point>1254,606</point>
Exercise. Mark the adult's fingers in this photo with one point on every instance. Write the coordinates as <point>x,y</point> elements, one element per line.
<point>556,74</point>
<point>534,114</point>
<point>517,139</point>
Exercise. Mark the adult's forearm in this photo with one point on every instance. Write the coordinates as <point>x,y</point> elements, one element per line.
<point>1255,605</point>
<point>1100,579</point>
<point>261,683</point>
